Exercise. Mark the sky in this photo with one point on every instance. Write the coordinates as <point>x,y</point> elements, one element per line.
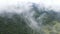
<point>52,4</point>
<point>4,3</point>
<point>9,2</point>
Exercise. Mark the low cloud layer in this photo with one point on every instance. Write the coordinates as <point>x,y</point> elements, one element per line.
<point>48,4</point>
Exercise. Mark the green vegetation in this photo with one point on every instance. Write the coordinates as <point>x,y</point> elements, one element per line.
<point>17,25</point>
<point>13,23</point>
<point>51,29</point>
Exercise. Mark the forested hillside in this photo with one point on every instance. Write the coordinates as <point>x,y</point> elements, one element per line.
<point>48,21</point>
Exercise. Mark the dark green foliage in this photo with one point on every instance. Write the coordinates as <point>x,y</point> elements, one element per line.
<point>14,25</point>
<point>50,17</point>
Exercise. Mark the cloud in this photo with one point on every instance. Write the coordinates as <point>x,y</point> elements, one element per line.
<point>51,4</point>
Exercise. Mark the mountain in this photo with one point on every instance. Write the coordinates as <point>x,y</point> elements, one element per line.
<point>29,18</point>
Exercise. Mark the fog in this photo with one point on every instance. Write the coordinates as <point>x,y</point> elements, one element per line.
<point>36,15</point>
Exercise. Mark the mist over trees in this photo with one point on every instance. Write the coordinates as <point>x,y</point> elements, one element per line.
<point>14,23</point>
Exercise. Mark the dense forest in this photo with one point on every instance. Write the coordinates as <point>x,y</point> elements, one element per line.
<point>13,23</point>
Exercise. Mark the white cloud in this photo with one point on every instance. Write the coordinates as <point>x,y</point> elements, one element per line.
<point>4,3</point>
<point>52,4</point>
